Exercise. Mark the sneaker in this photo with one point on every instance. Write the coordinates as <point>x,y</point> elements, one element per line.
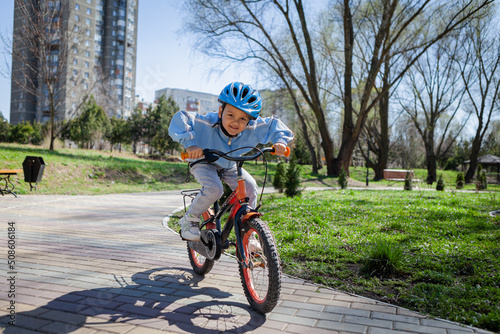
<point>253,244</point>
<point>190,227</point>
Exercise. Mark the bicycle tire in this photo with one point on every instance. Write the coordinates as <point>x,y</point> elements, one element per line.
<point>262,279</point>
<point>201,265</point>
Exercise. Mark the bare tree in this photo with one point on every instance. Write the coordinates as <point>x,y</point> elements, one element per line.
<point>278,33</point>
<point>435,93</point>
<point>41,46</point>
<point>480,70</point>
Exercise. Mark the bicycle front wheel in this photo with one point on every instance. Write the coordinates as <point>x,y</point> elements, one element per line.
<point>261,279</point>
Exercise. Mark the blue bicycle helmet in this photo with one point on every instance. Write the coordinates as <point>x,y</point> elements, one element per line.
<point>243,97</point>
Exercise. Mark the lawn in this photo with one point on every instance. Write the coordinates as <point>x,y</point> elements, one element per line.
<point>434,252</point>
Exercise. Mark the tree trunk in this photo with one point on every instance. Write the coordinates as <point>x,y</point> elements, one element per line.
<point>430,158</point>
<point>383,144</point>
<point>476,146</point>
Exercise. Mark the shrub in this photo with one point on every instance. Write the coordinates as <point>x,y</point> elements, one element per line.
<point>292,179</point>
<point>279,177</point>
<point>440,183</point>
<point>460,180</point>
<point>342,180</point>
<point>383,259</point>
<point>408,181</point>
<point>481,182</point>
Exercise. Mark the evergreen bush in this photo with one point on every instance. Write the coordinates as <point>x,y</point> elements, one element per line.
<point>292,179</point>
<point>342,180</point>
<point>460,180</point>
<point>481,182</point>
<point>440,183</point>
<point>408,181</point>
<point>279,177</point>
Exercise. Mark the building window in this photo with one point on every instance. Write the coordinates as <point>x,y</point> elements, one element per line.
<point>87,32</point>
<point>86,75</point>
<point>77,28</point>
<point>85,86</point>
<point>75,61</point>
<point>87,43</point>
<point>86,64</point>
<point>89,1</point>
<point>75,50</point>
<point>77,18</point>
<point>87,21</point>
<point>87,54</point>
<point>89,11</point>
<point>77,7</point>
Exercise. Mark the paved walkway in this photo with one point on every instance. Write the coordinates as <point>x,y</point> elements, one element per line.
<point>105,264</point>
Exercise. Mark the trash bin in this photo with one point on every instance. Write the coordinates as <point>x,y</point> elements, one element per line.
<point>33,169</point>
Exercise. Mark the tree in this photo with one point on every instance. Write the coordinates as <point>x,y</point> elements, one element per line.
<point>399,29</point>
<point>480,71</point>
<point>4,129</point>
<point>157,121</point>
<point>21,133</point>
<point>434,99</point>
<point>136,125</point>
<point>277,34</point>
<point>91,127</point>
<point>120,132</point>
<point>40,50</point>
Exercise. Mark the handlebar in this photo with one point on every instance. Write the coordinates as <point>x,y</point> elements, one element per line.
<point>214,155</point>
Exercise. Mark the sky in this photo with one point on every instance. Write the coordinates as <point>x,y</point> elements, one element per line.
<point>165,57</point>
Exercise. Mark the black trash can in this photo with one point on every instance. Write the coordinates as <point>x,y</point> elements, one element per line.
<point>33,169</point>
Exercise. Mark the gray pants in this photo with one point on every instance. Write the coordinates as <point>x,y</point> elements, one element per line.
<point>212,189</point>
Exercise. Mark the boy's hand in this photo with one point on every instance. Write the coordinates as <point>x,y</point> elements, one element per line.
<point>279,149</point>
<point>194,152</point>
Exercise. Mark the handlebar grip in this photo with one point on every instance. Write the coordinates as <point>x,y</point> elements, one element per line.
<point>287,152</point>
<point>184,155</point>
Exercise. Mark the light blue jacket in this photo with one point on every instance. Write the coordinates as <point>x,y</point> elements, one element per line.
<point>190,129</point>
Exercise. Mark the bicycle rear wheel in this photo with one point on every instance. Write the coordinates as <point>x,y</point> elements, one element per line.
<point>261,280</point>
<point>201,265</point>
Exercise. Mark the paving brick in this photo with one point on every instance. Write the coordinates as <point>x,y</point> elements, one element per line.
<point>70,318</point>
<point>320,315</point>
<point>341,327</point>
<point>402,326</point>
<point>306,306</point>
<point>292,328</point>
<point>293,319</point>
<point>30,322</point>
<point>347,311</point>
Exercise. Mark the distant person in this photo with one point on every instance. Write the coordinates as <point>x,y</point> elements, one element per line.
<point>236,125</point>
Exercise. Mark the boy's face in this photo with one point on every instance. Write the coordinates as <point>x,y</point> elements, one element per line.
<point>233,119</point>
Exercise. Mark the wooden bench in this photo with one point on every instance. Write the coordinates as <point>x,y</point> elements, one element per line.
<point>397,174</point>
<point>8,187</point>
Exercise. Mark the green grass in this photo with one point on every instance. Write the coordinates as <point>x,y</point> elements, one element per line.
<point>434,252</point>
<point>91,172</point>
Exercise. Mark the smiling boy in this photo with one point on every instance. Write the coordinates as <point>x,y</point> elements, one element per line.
<point>237,125</point>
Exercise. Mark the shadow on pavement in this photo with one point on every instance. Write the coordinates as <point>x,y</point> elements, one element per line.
<point>158,298</point>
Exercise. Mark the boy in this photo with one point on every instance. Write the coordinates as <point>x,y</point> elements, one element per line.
<point>237,124</point>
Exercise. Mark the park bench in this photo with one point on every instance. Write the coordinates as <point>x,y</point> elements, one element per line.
<point>397,174</point>
<point>6,185</point>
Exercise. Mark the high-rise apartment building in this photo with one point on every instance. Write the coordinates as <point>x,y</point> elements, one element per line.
<point>92,45</point>
<point>190,101</point>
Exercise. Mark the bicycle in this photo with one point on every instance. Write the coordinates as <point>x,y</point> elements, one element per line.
<point>256,252</point>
